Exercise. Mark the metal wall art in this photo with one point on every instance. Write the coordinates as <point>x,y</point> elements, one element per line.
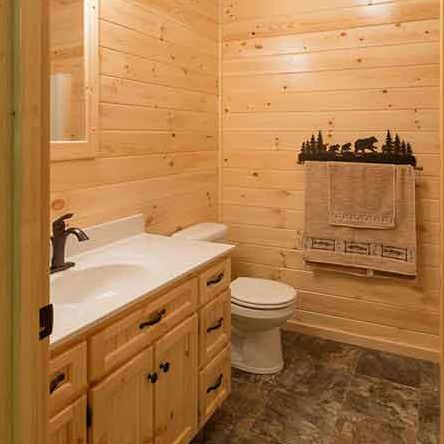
<point>394,151</point>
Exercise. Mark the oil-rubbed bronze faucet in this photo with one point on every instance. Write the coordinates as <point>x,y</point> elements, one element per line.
<point>58,239</point>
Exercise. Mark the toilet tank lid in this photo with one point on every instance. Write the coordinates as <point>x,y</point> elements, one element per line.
<point>262,292</point>
<point>203,232</point>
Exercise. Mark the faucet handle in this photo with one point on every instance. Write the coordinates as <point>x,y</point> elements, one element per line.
<point>60,222</point>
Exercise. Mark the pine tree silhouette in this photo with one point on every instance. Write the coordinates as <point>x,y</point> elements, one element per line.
<point>321,146</point>
<point>313,144</point>
<point>397,149</point>
<point>388,147</point>
<point>310,148</point>
<point>409,150</point>
<point>403,148</point>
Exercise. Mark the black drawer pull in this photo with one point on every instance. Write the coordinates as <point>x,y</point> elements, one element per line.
<point>155,320</point>
<point>216,326</point>
<point>153,377</point>
<point>165,367</point>
<point>217,384</point>
<point>216,280</point>
<point>55,383</point>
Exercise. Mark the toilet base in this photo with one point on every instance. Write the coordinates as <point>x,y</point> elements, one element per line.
<point>255,370</point>
<point>257,352</point>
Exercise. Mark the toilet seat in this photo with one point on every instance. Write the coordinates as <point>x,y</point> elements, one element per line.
<point>261,294</point>
<point>259,307</point>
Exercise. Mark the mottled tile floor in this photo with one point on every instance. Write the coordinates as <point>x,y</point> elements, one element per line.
<point>332,393</point>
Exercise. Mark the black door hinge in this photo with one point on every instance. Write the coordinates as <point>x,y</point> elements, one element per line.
<point>46,315</point>
<point>88,416</point>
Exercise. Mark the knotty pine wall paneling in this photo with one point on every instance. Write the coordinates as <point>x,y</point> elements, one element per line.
<point>352,68</point>
<point>158,154</point>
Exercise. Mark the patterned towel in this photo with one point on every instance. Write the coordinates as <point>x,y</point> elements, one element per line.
<point>383,250</point>
<point>362,195</point>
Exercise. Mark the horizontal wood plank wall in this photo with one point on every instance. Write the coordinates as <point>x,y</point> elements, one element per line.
<point>158,154</point>
<point>352,68</point>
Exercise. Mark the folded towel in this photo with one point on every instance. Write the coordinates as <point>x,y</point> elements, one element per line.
<point>387,250</point>
<point>361,195</point>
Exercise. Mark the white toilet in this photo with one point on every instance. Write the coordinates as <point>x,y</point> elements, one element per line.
<point>259,307</point>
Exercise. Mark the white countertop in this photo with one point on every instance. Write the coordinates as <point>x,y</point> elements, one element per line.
<point>152,262</point>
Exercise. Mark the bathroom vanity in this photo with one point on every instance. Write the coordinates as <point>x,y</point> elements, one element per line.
<point>150,361</point>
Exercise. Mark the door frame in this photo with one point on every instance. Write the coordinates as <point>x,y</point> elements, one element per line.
<point>24,227</point>
<point>5,221</point>
<point>441,240</point>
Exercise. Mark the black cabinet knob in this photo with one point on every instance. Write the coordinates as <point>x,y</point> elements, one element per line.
<point>165,367</point>
<point>153,377</point>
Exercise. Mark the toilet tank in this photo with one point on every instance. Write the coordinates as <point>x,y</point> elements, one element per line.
<point>204,232</point>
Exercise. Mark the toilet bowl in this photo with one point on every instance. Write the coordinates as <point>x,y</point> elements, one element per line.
<point>259,307</point>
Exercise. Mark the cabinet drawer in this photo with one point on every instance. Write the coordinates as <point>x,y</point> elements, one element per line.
<point>215,327</point>
<point>214,280</point>
<point>69,426</point>
<point>67,377</point>
<point>214,385</point>
<point>124,339</point>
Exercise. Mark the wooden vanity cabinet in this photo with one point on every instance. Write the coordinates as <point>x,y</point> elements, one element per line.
<point>153,385</point>
<point>153,398</point>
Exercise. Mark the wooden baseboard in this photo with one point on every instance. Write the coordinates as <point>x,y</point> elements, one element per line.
<point>376,343</point>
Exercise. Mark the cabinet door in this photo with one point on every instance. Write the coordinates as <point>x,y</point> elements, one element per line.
<point>122,404</point>
<point>176,398</point>
<point>69,426</point>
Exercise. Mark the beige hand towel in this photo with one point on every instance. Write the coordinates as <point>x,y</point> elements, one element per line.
<point>361,195</point>
<point>387,251</point>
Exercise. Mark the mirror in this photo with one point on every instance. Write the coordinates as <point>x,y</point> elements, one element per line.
<point>73,57</point>
<point>67,62</point>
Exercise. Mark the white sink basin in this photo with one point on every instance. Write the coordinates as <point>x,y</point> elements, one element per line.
<point>111,277</point>
<point>97,284</point>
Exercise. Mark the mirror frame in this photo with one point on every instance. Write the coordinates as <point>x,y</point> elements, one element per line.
<point>86,149</point>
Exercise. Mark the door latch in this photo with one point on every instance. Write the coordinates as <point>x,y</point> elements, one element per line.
<point>46,315</point>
